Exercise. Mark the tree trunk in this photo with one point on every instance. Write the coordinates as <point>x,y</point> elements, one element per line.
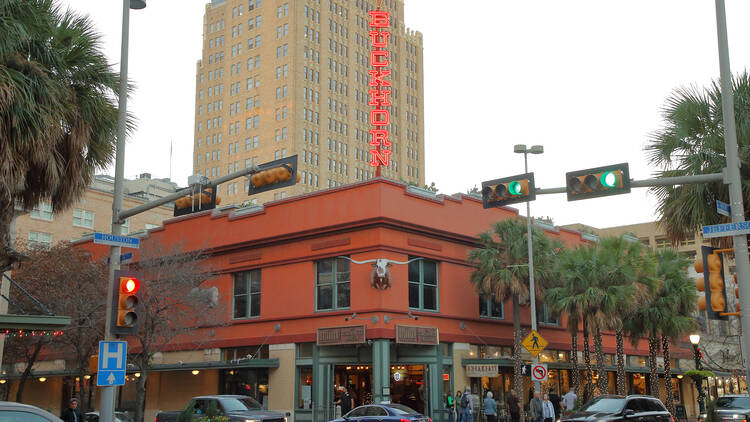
<point>669,402</point>
<point>654,378</point>
<point>621,383</point>
<point>603,382</point>
<point>27,371</point>
<point>6,217</point>
<point>588,391</point>
<point>517,381</point>
<point>575,373</point>
<point>82,399</point>
<point>140,397</point>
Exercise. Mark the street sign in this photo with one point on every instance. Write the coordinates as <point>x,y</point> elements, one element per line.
<point>124,258</point>
<point>534,343</point>
<point>723,208</point>
<point>539,372</point>
<point>726,230</point>
<point>113,240</point>
<point>112,361</point>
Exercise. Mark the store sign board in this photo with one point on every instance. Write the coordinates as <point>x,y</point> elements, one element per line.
<point>331,336</point>
<point>427,336</point>
<point>481,370</point>
<point>379,89</point>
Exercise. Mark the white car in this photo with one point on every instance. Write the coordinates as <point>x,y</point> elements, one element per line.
<point>119,417</point>
<point>17,412</point>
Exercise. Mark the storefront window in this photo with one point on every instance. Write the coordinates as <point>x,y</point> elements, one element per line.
<point>304,387</point>
<point>423,284</point>
<point>545,316</point>
<point>489,308</point>
<point>495,352</point>
<point>638,361</point>
<point>247,382</point>
<point>548,356</point>
<point>637,383</point>
<point>252,352</point>
<point>332,284</point>
<point>246,294</point>
<point>304,350</point>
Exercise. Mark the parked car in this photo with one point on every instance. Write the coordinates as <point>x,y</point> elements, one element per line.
<point>119,417</point>
<point>17,412</point>
<point>634,408</point>
<point>383,413</point>
<point>235,408</point>
<point>733,407</point>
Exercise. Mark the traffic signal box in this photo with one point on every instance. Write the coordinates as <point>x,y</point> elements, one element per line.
<point>205,200</point>
<point>508,190</point>
<point>125,298</point>
<point>596,182</point>
<point>274,175</point>
<point>714,301</point>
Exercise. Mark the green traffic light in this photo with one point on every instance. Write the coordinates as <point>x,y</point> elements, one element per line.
<point>608,179</point>
<point>514,188</point>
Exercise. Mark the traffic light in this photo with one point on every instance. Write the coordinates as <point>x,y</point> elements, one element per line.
<point>276,174</point>
<point>125,300</point>
<point>205,200</point>
<point>711,264</point>
<point>508,190</point>
<point>596,182</point>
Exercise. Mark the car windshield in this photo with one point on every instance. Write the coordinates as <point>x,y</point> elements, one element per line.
<point>235,404</point>
<point>733,403</point>
<point>604,405</point>
<point>400,409</point>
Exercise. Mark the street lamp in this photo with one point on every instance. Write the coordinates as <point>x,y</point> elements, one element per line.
<point>695,339</point>
<point>536,149</point>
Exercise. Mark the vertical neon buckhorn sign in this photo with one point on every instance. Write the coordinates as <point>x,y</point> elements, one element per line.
<point>380,115</point>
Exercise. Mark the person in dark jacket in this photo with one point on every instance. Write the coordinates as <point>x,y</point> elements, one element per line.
<point>72,414</point>
<point>555,399</point>
<point>513,407</point>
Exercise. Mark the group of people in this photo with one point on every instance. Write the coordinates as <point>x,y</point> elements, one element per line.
<point>547,409</point>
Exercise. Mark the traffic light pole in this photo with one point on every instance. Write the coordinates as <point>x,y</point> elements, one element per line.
<point>532,295</point>
<point>742,262</point>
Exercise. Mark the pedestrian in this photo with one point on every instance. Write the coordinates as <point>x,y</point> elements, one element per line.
<point>346,401</point>
<point>548,411</point>
<point>458,403</point>
<point>555,399</point>
<point>569,400</point>
<point>71,413</point>
<point>535,408</point>
<point>468,401</point>
<point>513,408</point>
<point>489,408</point>
<point>450,404</point>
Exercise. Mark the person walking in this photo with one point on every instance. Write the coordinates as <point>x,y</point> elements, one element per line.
<point>346,401</point>
<point>460,404</point>
<point>555,399</point>
<point>513,408</point>
<point>71,413</point>
<point>535,408</point>
<point>569,400</point>
<point>489,408</point>
<point>548,411</point>
<point>468,409</point>
<point>450,404</point>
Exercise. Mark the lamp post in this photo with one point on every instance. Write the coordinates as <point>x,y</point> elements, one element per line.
<point>107,402</point>
<point>536,149</point>
<point>695,339</point>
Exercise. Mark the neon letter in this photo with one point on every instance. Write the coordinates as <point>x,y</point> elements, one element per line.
<point>380,42</point>
<point>376,77</point>
<point>379,137</point>
<point>379,158</point>
<point>379,19</point>
<point>384,114</point>
<point>374,54</point>
<point>379,98</point>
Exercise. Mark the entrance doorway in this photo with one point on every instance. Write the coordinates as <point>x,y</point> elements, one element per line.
<point>409,386</point>
<point>359,380</point>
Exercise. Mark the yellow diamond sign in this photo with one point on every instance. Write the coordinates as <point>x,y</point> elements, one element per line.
<point>534,343</point>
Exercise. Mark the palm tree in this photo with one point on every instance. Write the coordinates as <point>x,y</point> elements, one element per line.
<point>677,296</point>
<point>502,272</point>
<point>692,142</point>
<point>58,119</point>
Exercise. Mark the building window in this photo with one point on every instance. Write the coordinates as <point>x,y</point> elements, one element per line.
<point>42,211</point>
<point>40,240</point>
<point>423,283</point>
<point>246,295</point>
<point>83,218</point>
<point>489,308</point>
<point>332,284</point>
<point>125,227</point>
<point>545,316</point>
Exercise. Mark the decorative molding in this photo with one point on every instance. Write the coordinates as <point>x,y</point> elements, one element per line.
<point>253,256</point>
<point>424,244</point>
<point>331,243</point>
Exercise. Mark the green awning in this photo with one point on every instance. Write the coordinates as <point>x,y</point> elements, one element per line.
<point>33,322</point>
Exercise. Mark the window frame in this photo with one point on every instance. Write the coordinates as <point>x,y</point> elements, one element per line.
<point>334,285</point>
<point>488,302</point>
<point>84,213</point>
<point>248,293</point>
<point>422,284</point>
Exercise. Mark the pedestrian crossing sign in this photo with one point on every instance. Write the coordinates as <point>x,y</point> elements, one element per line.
<point>534,343</point>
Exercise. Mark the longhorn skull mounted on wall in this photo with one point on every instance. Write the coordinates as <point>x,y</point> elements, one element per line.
<point>380,277</point>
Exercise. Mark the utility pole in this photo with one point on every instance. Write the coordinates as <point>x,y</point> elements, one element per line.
<point>734,181</point>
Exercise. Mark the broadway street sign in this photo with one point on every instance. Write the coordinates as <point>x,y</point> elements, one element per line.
<point>725,230</point>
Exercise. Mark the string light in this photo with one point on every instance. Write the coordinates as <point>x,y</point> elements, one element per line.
<point>30,333</point>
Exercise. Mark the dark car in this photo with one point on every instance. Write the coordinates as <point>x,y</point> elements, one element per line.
<point>733,407</point>
<point>634,408</point>
<point>234,407</point>
<point>17,412</point>
<point>383,413</point>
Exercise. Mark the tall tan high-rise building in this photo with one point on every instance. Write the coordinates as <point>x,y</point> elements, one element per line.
<point>285,77</point>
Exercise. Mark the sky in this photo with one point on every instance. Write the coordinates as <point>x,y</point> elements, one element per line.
<point>587,79</point>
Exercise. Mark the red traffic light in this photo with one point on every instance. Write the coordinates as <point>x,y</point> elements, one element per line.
<point>129,285</point>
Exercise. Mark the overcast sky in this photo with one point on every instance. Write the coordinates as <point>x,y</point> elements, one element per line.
<point>584,78</point>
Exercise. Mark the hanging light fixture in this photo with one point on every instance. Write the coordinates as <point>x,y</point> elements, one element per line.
<point>195,372</point>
